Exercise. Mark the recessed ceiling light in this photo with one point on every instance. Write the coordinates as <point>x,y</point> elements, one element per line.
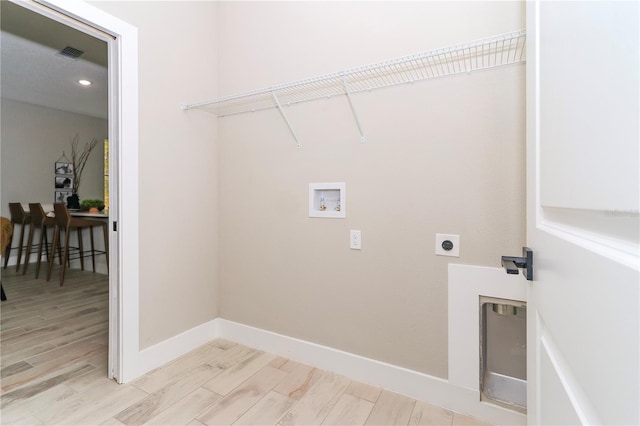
<point>85,82</point>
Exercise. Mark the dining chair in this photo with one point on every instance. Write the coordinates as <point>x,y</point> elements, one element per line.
<point>18,217</point>
<point>6,232</point>
<point>39,220</point>
<point>65,223</point>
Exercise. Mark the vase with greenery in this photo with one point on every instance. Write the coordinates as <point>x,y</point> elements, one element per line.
<point>79,159</point>
<point>91,204</point>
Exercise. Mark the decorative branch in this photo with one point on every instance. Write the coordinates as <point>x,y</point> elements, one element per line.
<point>79,159</point>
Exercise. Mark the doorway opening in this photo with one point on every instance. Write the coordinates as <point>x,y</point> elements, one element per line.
<point>121,39</point>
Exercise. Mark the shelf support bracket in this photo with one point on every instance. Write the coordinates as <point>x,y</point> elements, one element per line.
<point>353,110</point>
<point>286,120</point>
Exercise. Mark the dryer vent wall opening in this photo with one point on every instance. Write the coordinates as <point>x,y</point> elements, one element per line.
<point>503,353</point>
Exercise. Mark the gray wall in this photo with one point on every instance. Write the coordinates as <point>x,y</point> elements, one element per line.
<point>32,139</point>
<point>178,181</point>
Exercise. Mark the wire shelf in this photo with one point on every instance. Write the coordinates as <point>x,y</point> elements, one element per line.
<point>490,52</point>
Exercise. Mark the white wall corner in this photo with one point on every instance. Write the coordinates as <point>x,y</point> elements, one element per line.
<point>168,350</point>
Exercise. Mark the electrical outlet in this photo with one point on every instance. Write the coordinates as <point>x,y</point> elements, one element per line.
<point>355,239</point>
<point>448,245</point>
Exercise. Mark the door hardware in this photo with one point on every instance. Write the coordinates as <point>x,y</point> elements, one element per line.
<point>513,264</point>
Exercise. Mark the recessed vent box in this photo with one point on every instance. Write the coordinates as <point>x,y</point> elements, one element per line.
<point>503,353</point>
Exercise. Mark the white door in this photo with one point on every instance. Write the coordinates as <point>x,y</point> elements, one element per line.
<point>583,212</point>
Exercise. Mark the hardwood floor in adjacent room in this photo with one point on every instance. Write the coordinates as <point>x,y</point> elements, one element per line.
<point>54,371</point>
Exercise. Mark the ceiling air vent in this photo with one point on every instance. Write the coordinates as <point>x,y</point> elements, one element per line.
<point>71,52</point>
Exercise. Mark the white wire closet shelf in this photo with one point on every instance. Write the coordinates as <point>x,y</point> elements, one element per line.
<point>490,52</point>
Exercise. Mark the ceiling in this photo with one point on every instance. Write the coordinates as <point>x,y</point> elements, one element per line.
<point>33,71</point>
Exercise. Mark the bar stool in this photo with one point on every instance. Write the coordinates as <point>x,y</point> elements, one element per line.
<point>18,217</point>
<point>64,222</point>
<point>39,220</point>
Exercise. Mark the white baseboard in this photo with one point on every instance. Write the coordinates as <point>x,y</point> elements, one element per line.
<point>401,380</point>
<point>397,379</point>
<point>166,351</point>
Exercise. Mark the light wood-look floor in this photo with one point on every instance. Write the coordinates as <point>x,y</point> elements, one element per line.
<point>54,371</point>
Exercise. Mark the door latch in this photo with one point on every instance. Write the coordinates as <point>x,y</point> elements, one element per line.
<point>513,264</point>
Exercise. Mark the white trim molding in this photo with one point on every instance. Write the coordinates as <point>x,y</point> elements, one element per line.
<point>168,350</point>
<point>397,379</point>
<point>414,384</point>
<point>460,393</point>
<point>466,285</point>
<point>124,349</point>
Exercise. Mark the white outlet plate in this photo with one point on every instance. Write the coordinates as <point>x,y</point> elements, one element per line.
<point>455,250</point>
<point>355,239</point>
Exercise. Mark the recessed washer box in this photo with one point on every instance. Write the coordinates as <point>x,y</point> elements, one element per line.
<point>327,200</point>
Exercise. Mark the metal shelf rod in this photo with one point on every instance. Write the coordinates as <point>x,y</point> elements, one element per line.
<point>353,110</point>
<point>286,120</point>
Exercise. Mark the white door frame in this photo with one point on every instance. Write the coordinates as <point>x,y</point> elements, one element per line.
<point>122,39</point>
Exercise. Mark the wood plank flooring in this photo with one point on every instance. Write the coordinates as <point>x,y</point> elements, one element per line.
<point>53,371</point>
